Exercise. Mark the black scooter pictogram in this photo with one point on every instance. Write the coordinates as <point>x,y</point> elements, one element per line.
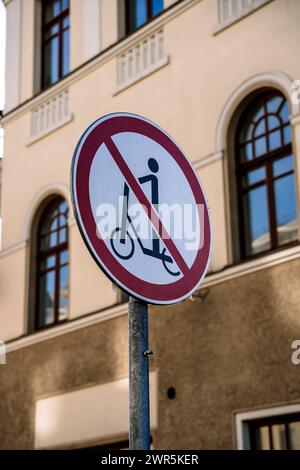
<point>121,241</point>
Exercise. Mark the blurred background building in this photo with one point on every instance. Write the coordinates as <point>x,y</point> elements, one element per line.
<point>217,76</point>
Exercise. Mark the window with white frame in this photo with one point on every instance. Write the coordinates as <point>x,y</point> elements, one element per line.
<point>270,429</point>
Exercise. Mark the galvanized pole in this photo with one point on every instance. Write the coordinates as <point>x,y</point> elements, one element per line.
<point>139,421</point>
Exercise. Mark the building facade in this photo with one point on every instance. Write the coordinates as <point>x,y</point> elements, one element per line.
<point>218,76</point>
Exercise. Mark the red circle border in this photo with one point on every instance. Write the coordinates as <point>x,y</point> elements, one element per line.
<point>153,293</point>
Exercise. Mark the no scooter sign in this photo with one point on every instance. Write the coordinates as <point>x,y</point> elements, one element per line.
<point>141,209</point>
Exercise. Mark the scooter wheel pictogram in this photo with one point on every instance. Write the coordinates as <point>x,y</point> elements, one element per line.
<point>123,249</point>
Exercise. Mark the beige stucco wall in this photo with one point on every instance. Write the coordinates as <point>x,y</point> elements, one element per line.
<point>76,33</point>
<point>227,353</point>
<point>222,354</point>
<point>27,44</point>
<point>12,292</point>
<point>204,71</point>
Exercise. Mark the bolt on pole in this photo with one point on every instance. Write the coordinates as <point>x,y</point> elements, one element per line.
<point>139,420</point>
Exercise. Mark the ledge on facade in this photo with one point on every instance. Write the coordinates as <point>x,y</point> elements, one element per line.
<point>228,273</point>
<point>66,327</point>
<point>253,265</point>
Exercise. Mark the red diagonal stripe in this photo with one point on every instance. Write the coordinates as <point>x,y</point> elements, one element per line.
<point>143,200</point>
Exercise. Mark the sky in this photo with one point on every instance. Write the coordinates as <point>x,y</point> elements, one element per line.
<point>2,59</point>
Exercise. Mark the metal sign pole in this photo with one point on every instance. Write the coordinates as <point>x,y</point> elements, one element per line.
<point>139,421</point>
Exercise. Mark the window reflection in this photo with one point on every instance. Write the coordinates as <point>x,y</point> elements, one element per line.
<point>139,12</point>
<point>256,220</point>
<point>55,41</point>
<point>286,213</point>
<point>265,175</point>
<point>53,274</point>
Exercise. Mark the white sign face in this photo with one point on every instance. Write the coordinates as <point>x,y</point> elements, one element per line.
<point>141,209</point>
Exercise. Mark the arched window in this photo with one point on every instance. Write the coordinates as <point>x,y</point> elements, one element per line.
<point>52,264</point>
<point>265,175</point>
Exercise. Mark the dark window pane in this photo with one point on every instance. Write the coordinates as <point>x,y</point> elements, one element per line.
<point>55,41</point>
<point>50,221</point>
<point>49,241</point>
<point>254,176</point>
<point>47,296</point>
<point>54,224</point>
<point>260,128</point>
<point>62,221</point>
<point>275,140</point>
<point>274,104</point>
<point>49,262</point>
<point>284,112</point>
<point>286,214</point>
<point>52,9</point>
<point>66,22</point>
<point>157,7</point>
<point>63,235</point>
<point>65,4</point>
<point>51,32</point>
<point>140,12</point>
<point>247,152</point>
<point>64,257</point>
<point>56,7</point>
<point>283,165</point>
<point>46,227</point>
<point>247,133</point>
<point>53,239</point>
<point>51,61</point>
<point>63,292</point>
<point>258,112</point>
<point>63,207</point>
<point>45,243</point>
<point>260,146</point>
<point>273,122</point>
<point>53,265</point>
<point>66,52</point>
<point>256,220</point>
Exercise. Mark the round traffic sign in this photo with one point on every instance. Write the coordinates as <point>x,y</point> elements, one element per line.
<point>140,208</point>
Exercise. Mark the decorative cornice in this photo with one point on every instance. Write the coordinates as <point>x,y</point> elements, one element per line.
<point>116,311</point>
<point>252,266</point>
<point>68,327</point>
<point>208,159</point>
<point>295,120</point>
<point>13,248</point>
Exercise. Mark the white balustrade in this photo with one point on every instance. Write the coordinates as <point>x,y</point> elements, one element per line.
<point>141,59</point>
<point>50,114</point>
<point>232,9</point>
